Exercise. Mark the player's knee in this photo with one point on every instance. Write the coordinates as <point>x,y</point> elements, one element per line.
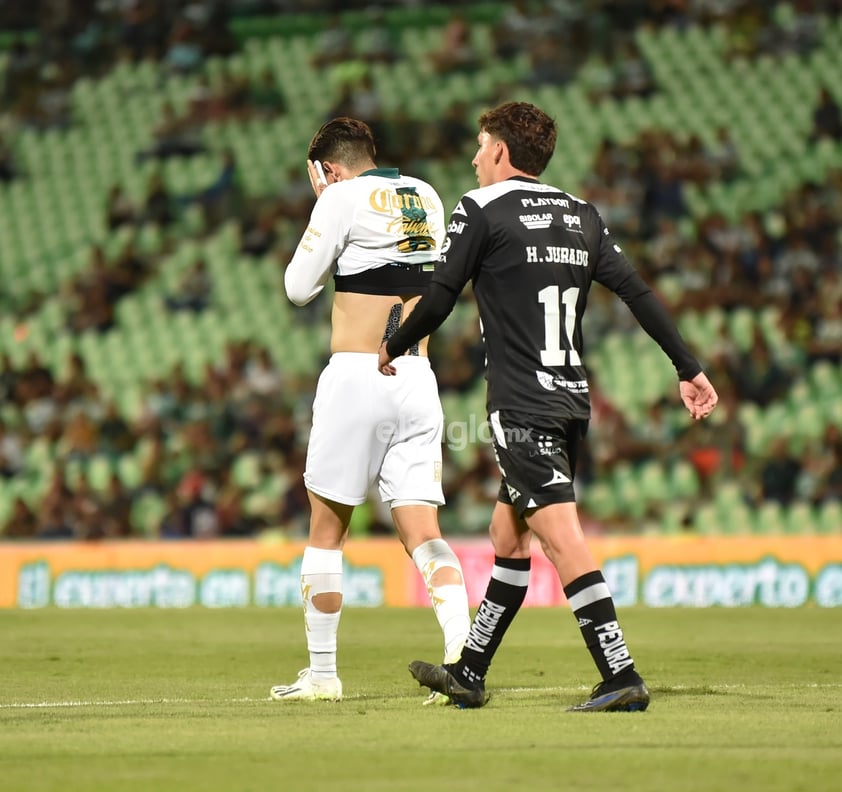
<point>446,576</point>
<point>437,563</point>
<point>327,602</point>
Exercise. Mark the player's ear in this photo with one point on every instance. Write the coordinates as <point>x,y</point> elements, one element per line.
<point>499,151</point>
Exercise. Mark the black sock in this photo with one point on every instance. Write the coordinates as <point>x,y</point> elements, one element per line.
<point>503,598</point>
<point>593,606</point>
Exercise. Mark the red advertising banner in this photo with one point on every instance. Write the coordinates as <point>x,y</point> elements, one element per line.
<point>783,571</point>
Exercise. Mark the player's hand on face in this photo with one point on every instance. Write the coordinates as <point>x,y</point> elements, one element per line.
<point>316,182</point>
<point>384,362</point>
<point>698,395</point>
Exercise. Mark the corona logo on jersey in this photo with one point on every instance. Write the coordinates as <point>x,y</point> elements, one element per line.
<point>386,201</point>
<point>412,218</point>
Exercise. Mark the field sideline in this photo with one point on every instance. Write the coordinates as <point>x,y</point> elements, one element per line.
<point>743,699</point>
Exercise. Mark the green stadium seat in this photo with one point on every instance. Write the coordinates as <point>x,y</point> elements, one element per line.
<point>99,469</point>
<point>146,514</point>
<point>829,518</point>
<point>706,520</point>
<point>684,480</point>
<point>600,500</point>
<point>800,518</point>
<point>654,482</point>
<point>129,469</point>
<point>770,519</point>
<point>246,470</point>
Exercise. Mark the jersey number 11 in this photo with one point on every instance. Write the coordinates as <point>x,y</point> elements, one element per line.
<point>552,354</point>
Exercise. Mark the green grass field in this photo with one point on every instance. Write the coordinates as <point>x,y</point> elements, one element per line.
<point>744,699</point>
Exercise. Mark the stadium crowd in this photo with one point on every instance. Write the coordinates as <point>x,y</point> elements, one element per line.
<point>223,455</point>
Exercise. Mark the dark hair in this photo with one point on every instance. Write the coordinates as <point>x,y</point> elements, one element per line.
<point>344,140</point>
<point>529,133</point>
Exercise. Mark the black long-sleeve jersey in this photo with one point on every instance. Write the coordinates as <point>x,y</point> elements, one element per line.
<point>532,252</point>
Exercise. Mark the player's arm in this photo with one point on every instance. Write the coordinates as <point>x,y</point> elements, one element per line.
<point>462,250</point>
<point>314,258</point>
<point>430,311</point>
<point>616,273</point>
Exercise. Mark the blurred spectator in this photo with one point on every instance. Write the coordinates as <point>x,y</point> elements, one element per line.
<point>779,472</point>
<point>117,509</point>
<point>262,376</point>
<point>129,270</point>
<point>826,340</point>
<point>231,512</point>
<point>90,307</point>
<point>9,377</point>
<point>142,29</point>
<point>116,437</point>
<point>174,137</point>
<point>717,449</point>
<point>455,52</point>
<point>8,169</point>
<point>22,523</point>
<point>478,482</point>
<point>80,437</point>
<point>265,96</point>
<point>11,451</point>
<point>663,194</point>
<point>550,64</point>
<point>172,524</point>
<point>258,234</point>
<point>55,515</point>
<point>827,118</point>
<point>820,476</point>
<point>75,382</point>
<point>723,156</point>
<point>87,516</point>
<point>757,376</point>
<point>119,210</point>
<point>597,77</point>
<point>376,43</point>
<point>294,511</point>
<point>183,53</point>
<point>154,464</point>
<point>194,291</point>
<point>158,205</point>
<point>460,361</point>
<point>197,510</point>
<point>452,134</point>
<point>35,380</point>
<point>53,98</point>
<point>632,76</point>
<point>513,33</point>
<point>333,45</point>
<point>223,197</point>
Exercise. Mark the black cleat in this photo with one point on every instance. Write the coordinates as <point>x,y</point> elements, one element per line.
<point>607,697</point>
<point>439,679</point>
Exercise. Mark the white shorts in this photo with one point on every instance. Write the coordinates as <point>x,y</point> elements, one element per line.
<point>370,428</point>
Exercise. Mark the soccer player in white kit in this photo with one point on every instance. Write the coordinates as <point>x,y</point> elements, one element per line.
<point>379,234</point>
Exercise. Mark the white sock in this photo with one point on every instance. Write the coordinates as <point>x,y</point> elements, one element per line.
<point>450,602</point>
<point>321,573</point>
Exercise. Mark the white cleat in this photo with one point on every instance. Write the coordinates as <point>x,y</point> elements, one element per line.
<point>308,689</point>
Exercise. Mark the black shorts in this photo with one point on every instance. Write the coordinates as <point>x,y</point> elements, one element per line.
<point>537,457</point>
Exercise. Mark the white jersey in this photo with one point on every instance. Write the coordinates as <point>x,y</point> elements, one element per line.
<point>378,233</point>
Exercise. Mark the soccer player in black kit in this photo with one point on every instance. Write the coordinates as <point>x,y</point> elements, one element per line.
<point>532,251</point>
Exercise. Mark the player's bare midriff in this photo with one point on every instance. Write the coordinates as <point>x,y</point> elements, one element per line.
<point>359,320</point>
